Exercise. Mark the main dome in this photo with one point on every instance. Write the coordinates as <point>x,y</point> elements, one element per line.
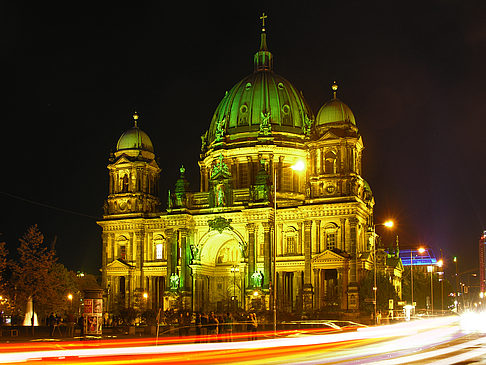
<point>262,103</point>
<point>135,139</point>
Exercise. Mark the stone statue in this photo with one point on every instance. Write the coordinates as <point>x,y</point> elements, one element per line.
<point>307,125</point>
<point>220,128</point>
<point>174,281</point>
<point>265,126</point>
<point>256,279</point>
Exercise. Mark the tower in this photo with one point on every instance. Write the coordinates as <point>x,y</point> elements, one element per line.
<point>132,199</point>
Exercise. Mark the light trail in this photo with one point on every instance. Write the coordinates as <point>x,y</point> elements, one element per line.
<point>389,344</point>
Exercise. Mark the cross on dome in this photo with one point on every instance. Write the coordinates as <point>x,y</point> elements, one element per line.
<point>263,17</point>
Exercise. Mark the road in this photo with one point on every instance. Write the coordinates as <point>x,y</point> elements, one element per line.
<point>444,340</point>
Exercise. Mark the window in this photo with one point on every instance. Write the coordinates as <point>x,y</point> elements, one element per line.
<point>330,241</point>
<point>123,252</point>
<point>291,245</point>
<point>291,241</point>
<point>125,184</point>
<point>330,162</point>
<point>160,248</point>
<point>330,236</point>
<point>158,251</point>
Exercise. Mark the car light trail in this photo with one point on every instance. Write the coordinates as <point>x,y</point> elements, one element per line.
<point>370,345</point>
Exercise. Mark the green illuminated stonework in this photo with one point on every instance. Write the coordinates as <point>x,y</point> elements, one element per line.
<point>213,248</point>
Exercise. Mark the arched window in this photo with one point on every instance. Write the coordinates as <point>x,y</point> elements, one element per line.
<point>330,162</point>
<point>160,247</point>
<point>121,249</point>
<point>291,241</point>
<point>125,183</point>
<point>330,236</point>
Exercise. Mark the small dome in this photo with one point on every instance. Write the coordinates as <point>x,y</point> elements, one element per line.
<point>135,139</point>
<point>335,111</point>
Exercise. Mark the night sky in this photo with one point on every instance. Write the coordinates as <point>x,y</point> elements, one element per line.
<point>412,73</point>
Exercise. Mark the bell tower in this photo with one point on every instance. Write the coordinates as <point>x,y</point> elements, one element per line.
<point>133,175</point>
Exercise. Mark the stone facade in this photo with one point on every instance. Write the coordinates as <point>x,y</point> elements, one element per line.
<point>255,224</point>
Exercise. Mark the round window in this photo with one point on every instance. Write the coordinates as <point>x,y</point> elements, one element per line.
<point>248,86</point>
<point>243,109</point>
<point>280,86</point>
<point>286,109</point>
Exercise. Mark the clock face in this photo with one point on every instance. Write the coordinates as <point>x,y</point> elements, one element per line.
<point>330,189</point>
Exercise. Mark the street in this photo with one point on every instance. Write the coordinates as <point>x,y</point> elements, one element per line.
<point>443,340</point>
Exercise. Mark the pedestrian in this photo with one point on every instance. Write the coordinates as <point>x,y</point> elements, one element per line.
<point>204,326</point>
<point>228,321</point>
<point>50,323</point>
<point>197,324</point>
<point>70,324</point>
<point>180,323</point>
<point>254,325</point>
<point>187,323</point>
<point>212,324</point>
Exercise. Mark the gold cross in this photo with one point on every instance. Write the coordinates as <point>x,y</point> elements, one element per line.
<point>263,17</point>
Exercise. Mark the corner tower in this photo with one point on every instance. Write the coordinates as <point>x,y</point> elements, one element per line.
<point>134,175</point>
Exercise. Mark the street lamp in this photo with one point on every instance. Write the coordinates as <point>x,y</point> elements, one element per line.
<point>234,270</point>
<point>298,166</point>
<point>70,298</point>
<point>388,224</point>
<point>440,263</point>
<point>419,250</point>
<point>430,269</point>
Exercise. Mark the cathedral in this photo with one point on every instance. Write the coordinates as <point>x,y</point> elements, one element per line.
<point>258,232</point>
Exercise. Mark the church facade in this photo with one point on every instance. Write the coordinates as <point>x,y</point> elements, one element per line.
<point>257,227</point>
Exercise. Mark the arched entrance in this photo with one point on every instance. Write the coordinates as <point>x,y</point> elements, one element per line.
<point>219,273</point>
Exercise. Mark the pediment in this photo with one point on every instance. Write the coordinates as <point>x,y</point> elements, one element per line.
<point>118,265</point>
<point>330,257</point>
<point>328,135</point>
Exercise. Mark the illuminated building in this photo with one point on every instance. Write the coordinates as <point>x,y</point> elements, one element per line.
<point>186,255</point>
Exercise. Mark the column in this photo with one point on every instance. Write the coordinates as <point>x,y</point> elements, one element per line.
<point>343,235</point>
<point>308,292</point>
<point>171,256</point>
<point>250,228</point>
<point>139,236</point>
<point>318,236</point>
<point>184,262</point>
<point>353,298</point>
<point>268,256</point>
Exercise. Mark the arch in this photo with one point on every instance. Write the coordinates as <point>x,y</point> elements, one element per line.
<point>213,241</point>
<point>291,241</point>
<point>160,246</point>
<point>330,162</point>
<point>121,247</point>
<point>330,235</point>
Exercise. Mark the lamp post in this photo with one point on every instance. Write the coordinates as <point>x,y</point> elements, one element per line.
<point>234,270</point>
<point>145,297</point>
<point>430,269</point>
<point>70,298</point>
<point>419,250</point>
<point>388,224</point>
<point>298,166</point>
<point>440,263</point>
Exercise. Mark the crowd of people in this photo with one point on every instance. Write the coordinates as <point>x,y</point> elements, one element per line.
<point>208,326</point>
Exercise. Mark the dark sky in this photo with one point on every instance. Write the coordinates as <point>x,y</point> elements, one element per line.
<point>413,74</point>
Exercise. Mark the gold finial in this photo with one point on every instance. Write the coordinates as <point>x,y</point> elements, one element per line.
<point>334,87</point>
<point>263,17</point>
<point>135,118</point>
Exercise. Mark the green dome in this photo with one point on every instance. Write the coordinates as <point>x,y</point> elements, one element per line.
<point>262,102</point>
<point>135,139</point>
<point>335,111</point>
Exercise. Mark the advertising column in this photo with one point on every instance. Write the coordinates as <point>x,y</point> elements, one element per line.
<point>93,311</point>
